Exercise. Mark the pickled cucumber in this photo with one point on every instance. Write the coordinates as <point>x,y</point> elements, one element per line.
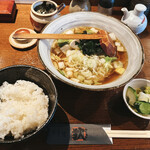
<point>131,96</point>
<point>142,107</point>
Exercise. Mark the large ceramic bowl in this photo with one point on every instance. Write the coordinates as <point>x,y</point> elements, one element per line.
<point>22,72</point>
<point>135,84</point>
<point>110,24</point>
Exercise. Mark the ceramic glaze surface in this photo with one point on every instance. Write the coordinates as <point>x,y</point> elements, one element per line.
<point>22,43</point>
<point>110,24</point>
<point>136,83</point>
<point>39,20</point>
<point>135,19</point>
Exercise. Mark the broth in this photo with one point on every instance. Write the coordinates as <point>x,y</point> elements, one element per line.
<point>115,76</point>
<point>85,61</point>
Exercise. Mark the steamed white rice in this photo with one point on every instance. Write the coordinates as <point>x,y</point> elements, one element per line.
<point>23,108</point>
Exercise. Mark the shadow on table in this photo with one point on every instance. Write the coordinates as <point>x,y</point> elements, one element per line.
<point>25,49</point>
<point>83,105</point>
<point>40,140</point>
<point>121,116</point>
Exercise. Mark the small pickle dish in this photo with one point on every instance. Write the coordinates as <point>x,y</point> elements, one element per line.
<point>136,96</point>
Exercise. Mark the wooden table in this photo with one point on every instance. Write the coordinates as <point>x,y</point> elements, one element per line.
<point>76,105</point>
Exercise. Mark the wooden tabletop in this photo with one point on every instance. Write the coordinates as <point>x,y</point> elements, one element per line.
<point>76,105</point>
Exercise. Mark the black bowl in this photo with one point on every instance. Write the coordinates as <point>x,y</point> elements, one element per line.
<point>22,72</point>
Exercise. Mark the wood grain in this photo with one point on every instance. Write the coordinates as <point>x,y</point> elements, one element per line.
<point>57,36</point>
<point>76,105</point>
<point>128,133</point>
<point>7,11</point>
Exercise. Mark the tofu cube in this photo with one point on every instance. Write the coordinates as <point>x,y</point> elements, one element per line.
<point>120,49</point>
<point>117,44</point>
<point>69,32</point>
<point>57,50</point>
<point>69,74</point>
<point>94,30</point>
<point>112,36</point>
<point>61,65</point>
<point>119,70</point>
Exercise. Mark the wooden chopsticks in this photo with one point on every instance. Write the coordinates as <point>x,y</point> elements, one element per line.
<point>128,134</point>
<point>57,36</point>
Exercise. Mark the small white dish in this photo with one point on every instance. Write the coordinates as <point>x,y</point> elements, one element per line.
<point>136,83</point>
<point>22,44</point>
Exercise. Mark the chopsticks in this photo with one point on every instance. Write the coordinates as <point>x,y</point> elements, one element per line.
<point>57,36</point>
<point>128,134</point>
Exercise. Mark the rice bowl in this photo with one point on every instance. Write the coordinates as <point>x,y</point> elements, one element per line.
<point>38,78</point>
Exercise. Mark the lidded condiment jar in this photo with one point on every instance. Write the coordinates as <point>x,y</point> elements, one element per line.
<point>43,12</point>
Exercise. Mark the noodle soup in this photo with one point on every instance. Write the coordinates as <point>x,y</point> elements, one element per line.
<point>92,62</point>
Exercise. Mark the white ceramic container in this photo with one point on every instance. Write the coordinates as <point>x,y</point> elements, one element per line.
<point>136,83</point>
<point>135,19</point>
<point>93,19</point>
<point>38,20</point>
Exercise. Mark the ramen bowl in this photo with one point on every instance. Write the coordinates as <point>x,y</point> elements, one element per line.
<point>14,73</point>
<point>92,19</point>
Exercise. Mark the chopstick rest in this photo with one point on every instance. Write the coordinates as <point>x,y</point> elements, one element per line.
<point>22,43</point>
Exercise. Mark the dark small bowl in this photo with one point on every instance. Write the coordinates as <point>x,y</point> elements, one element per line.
<point>22,72</point>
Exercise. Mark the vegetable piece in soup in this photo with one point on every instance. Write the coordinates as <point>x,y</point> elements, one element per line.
<point>91,62</point>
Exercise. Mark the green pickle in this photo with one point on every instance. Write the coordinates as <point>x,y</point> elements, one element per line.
<point>131,96</point>
<point>139,105</point>
<point>142,107</point>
